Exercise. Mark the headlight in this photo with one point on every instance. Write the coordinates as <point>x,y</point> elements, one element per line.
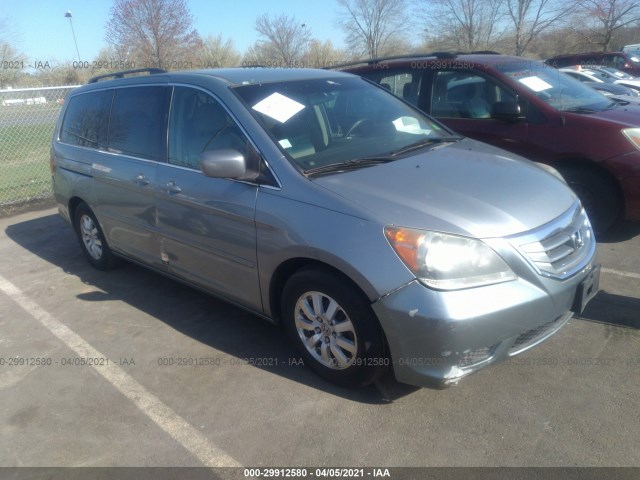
<point>633,134</point>
<point>448,262</point>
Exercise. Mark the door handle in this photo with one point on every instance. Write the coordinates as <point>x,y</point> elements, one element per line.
<point>140,179</point>
<point>172,187</point>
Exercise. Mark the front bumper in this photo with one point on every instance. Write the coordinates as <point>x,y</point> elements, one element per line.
<point>436,338</point>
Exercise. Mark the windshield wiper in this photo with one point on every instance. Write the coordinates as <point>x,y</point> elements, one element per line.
<point>349,165</point>
<point>423,143</point>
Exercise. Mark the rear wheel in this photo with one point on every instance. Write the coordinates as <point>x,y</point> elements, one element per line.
<point>598,195</point>
<point>332,325</point>
<point>92,240</point>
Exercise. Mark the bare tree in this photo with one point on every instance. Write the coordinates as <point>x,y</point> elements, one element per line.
<point>607,17</point>
<point>323,54</point>
<point>216,52</point>
<point>154,33</point>
<point>372,26</point>
<point>283,39</point>
<point>472,24</point>
<point>531,17</point>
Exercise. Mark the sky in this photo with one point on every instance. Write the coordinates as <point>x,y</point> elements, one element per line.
<point>39,29</point>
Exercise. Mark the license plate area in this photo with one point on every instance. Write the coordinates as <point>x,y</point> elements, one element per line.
<point>587,289</point>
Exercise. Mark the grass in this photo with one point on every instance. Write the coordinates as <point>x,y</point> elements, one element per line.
<point>24,152</point>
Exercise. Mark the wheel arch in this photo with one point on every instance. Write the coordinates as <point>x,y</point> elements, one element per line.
<point>581,163</point>
<point>289,267</point>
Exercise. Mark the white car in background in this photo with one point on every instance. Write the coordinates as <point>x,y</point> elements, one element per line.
<point>601,81</point>
<point>603,74</point>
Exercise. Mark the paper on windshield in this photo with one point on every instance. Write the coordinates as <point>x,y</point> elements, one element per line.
<point>535,83</point>
<point>278,107</point>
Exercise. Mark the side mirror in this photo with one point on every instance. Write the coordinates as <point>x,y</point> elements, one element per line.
<point>506,111</point>
<point>224,163</point>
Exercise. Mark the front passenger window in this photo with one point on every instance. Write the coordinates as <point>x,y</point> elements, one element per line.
<point>198,123</point>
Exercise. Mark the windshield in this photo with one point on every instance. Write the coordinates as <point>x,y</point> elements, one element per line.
<point>556,88</point>
<point>616,74</point>
<point>324,122</point>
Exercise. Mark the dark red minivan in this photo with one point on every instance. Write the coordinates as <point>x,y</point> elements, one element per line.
<point>531,109</point>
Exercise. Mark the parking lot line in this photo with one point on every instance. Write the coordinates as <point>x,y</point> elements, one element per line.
<point>178,428</point>
<point>620,273</point>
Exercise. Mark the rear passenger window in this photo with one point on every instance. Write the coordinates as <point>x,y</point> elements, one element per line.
<point>199,123</point>
<point>138,124</point>
<point>87,119</point>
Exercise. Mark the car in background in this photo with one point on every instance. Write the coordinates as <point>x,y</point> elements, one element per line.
<point>531,109</point>
<point>374,235</point>
<point>606,86</point>
<point>613,75</point>
<point>622,61</point>
<point>632,49</point>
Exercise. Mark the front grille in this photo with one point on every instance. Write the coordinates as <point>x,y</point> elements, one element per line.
<point>562,248</point>
<point>535,335</point>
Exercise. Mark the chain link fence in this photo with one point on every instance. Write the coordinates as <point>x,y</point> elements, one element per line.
<point>27,120</point>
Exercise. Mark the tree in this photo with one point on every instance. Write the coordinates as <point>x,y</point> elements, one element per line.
<point>11,61</point>
<point>215,52</point>
<point>607,17</point>
<point>472,24</point>
<point>323,54</point>
<point>153,33</point>
<point>283,39</point>
<point>372,25</point>
<point>531,17</point>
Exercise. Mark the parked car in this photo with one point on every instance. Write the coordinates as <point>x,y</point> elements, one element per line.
<point>376,236</point>
<point>605,86</point>
<point>622,61</point>
<point>632,49</point>
<point>613,75</point>
<point>528,108</point>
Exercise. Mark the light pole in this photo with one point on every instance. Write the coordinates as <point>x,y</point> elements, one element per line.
<point>68,15</point>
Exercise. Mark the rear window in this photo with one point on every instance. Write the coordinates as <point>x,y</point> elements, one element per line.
<point>87,119</point>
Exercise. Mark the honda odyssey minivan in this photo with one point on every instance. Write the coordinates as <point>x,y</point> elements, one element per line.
<point>375,236</point>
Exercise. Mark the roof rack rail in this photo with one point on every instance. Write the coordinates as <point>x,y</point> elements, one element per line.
<point>121,74</point>
<point>372,61</point>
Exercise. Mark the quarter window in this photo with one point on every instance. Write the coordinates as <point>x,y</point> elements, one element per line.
<point>138,122</point>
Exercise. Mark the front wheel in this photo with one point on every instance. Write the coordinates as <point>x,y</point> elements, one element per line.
<point>598,195</point>
<point>333,327</point>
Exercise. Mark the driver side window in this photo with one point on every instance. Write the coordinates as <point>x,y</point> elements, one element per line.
<point>199,123</point>
<point>465,95</point>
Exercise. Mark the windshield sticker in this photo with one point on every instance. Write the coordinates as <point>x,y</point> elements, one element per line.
<point>285,143</point>
<point>278,107</point>
<point>410,125</point>
<point>535,83</point>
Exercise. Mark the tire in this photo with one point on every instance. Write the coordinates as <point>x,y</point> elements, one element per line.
<point>92,241</point>
<point>345,347</point>
<point>598,195</point>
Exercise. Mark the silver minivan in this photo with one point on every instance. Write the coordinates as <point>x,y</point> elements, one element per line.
<point>378,238</point>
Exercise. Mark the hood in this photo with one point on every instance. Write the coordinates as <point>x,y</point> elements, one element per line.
<point>624,115</point>
<point>465,188</point>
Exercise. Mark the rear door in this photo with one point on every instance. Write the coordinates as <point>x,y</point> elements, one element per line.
<point>208,224</point>
<point>126,174</point>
